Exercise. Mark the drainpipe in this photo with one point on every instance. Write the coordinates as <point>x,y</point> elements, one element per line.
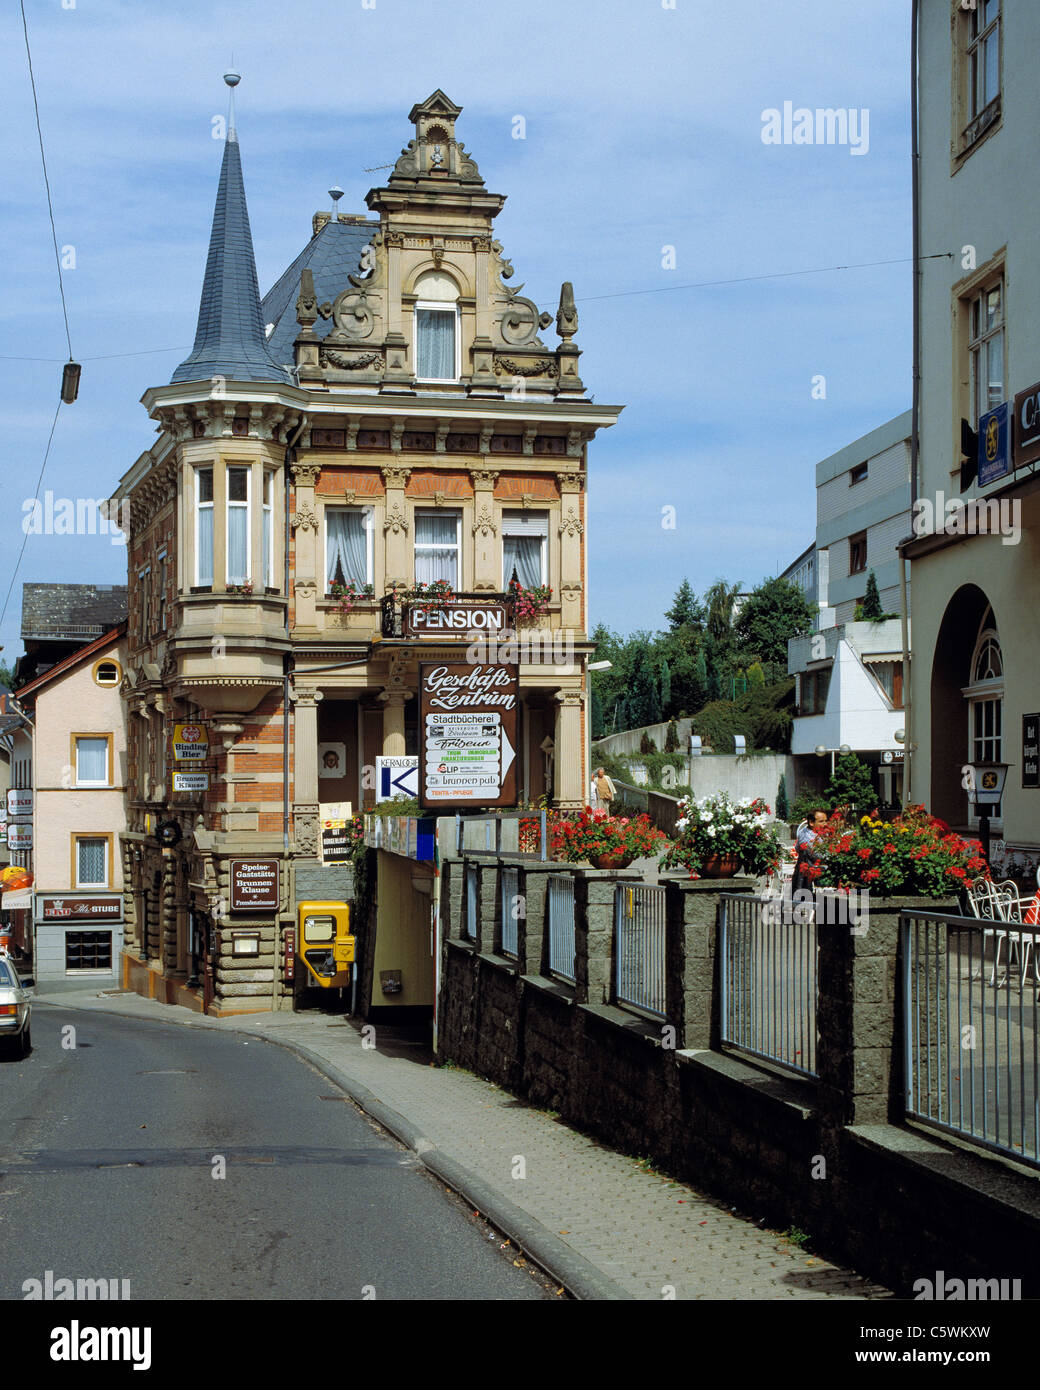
<point>915,414</point>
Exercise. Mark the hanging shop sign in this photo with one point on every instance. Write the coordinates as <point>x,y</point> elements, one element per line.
<point>1026,442</point>
<point>191,781</point>
<point>190,742</point>
<point>467,734</point>
<point>454,619</point>
<point>19,836</point>
<point>254,885</point>
<point>19,802</point>
<point>1031,750</point>
<point>994,440</point>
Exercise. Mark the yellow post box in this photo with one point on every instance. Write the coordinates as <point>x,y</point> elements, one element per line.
<point>326,946</point>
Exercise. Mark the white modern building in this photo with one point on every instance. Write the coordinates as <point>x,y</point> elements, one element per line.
<point>849,673</point>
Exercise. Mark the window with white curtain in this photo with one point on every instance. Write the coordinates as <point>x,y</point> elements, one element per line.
<point>348,546</point>
<point>436,327</point>
<point>525,538</point>
<point>268,530</point>
<point>91,862</point>
<point>437,547</point>
<point>204,527</point>
<point>92,761</point>
<point>238,525</point>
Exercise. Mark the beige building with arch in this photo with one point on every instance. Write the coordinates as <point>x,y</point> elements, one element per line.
<point>976,652</point>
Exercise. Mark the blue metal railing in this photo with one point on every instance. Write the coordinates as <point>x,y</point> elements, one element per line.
<point>639,947</point>
<point>560,903</point>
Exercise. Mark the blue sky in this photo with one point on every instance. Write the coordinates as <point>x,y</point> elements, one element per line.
<point>643,131</point>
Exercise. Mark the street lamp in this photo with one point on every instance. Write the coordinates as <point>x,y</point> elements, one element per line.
<point>822,750</point>
<point>986,789</point>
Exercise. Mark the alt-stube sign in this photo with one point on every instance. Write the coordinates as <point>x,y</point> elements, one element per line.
<point>254,885</point>
<point>467,734</point>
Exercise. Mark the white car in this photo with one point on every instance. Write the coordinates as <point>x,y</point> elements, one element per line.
<point>15,1008</point>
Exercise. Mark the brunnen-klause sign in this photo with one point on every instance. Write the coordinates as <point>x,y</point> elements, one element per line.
<point>467,734</point>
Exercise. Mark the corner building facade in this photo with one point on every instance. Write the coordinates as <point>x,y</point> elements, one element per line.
<point>974,584</point>
<point>386,418</point>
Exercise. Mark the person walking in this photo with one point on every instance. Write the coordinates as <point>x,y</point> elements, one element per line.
<point>604,791</point>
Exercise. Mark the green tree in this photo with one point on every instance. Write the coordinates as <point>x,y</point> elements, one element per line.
<point>666,690</point>
<point>870,609</point>
<point>596,714</point>
<point>775,612</point>
<point>671,741</point>
<point>782,808</point>
<point>685,610</point>
<point>851,785</point>
<point>644,701</point>
<point>6,674</point>
<point>755,674</point>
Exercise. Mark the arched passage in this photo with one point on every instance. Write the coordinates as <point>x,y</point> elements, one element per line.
<point>955,645</point>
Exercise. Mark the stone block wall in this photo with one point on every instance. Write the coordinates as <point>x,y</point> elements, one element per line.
<point>831,1155</point>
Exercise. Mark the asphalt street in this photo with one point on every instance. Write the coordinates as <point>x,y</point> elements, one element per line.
<point>200,1165</point>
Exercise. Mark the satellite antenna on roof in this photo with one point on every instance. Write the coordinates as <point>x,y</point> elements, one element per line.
<point>335,193</point>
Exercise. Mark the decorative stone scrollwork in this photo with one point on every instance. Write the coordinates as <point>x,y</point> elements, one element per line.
<point>353,315</point>
<point>306,588</point>
<point>484,479</point>
<point>305,474</point>
<point>330,358</point>
<point>396,238</point>
<point>571,524</point>
<point>481,243</point>
<point>485,524</point>
<point>395,521</point>
<point>508,365</point>
<point>304,518</point>
<point>305,830</point>
<point>395,477</point>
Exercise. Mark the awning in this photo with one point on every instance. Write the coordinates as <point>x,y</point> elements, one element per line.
<point>16,902</point>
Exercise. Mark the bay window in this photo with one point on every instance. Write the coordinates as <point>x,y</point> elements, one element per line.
<point>238,525</point>
<point>204,527</point>
<point>268,530</point>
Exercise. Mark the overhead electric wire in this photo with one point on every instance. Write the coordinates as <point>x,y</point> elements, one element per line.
<point>588,298</point>
<point>25,529</point>
<point>46,181</point>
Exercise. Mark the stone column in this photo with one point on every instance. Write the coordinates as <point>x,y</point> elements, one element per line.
<point>393,722</point>
<point>568,788</point>
<point>400,564</point>
<point>860,1014</point>
<point>571,531</point>
<point>305,770</point>
<point>594,935</point>
<point>487,561</point>
<point>304,521</point>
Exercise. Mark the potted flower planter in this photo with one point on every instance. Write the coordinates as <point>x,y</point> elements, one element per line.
<point>720,866</point>
<point>612,861</point>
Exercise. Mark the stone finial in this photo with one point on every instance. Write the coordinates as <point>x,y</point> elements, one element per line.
<point>307,302</point>
<point>566,314</point>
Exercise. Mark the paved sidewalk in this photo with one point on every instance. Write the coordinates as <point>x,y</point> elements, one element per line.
<point>602,1224</point>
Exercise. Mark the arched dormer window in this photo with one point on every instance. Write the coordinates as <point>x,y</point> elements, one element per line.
<point>436,327</point>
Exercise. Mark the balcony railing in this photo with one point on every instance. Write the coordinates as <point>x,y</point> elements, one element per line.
<point>395,608</point>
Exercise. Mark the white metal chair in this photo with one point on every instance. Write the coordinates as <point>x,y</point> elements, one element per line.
<point>1000,902</point>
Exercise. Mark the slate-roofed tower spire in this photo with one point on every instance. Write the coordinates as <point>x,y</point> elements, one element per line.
<point>229,339</point>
